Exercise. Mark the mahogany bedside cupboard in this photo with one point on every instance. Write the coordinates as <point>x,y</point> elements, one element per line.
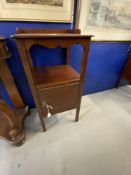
<point>57,88</point>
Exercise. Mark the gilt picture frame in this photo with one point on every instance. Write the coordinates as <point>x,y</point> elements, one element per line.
<point>37,10</point>
<point>107,20</point>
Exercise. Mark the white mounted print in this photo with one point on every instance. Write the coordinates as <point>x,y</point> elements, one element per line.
<point>106,19</point>
<point>37,10</point>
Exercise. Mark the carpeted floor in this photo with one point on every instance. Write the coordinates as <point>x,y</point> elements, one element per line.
<point>99,144</point>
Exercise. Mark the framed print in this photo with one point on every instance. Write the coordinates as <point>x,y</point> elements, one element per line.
<point>106,19</point>
<point>37,10</point>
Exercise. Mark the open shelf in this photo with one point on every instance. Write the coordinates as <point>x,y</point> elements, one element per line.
<point>54,76</point>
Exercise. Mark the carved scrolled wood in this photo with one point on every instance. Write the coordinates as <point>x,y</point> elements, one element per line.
<point>12,129</point>
<point>54,43</point>
<point>8,114</point>
<point>47,31</point>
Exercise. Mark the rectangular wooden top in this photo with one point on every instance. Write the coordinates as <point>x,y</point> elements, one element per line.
<point>40,35</point>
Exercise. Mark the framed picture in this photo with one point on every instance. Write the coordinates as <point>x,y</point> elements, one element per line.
<point>106,19</point>
<point>37,10</point>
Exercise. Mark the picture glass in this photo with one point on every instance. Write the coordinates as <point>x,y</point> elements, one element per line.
<point>112,14</point>
<point>38,2</point>
<point>37,10</point>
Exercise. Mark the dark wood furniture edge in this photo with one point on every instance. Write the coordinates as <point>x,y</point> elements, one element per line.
<point>11,120</point>
<point>11,124</point>
<point>8,81</point>
<point>8,56</point>
<point>125,73</point>
<point>6,76</point>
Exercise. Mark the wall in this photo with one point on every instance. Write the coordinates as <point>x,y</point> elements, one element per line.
<point>105,63</point>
